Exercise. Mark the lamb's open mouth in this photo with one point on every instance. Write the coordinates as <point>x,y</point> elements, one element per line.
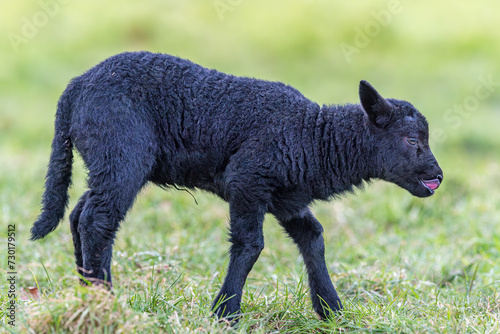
<point>432,185</point>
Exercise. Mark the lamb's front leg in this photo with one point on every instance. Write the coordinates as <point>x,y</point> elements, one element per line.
<point>306,231</point>
<point>247,242</point>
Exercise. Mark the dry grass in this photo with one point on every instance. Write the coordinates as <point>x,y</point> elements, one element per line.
<point>84,310</point>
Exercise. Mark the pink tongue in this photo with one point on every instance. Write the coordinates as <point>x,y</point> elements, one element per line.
<point>432,184</point>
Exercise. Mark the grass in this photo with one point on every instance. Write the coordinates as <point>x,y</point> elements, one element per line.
<point>400,264</point>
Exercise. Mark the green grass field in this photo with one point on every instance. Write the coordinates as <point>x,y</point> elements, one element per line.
<point>401,264</point>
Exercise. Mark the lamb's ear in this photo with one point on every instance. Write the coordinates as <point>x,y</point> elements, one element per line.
<point>378,109</point>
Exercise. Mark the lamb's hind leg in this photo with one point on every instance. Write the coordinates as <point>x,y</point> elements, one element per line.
<point>117,173</point>
<point>74,219</point>
<point>99,221</point>
<point>306,231</point>
<point>118,145</point>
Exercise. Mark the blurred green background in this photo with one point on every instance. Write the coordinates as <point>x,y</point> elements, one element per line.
<point>443,56</point>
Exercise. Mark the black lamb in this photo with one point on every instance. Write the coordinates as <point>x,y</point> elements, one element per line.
<point>261,146</point>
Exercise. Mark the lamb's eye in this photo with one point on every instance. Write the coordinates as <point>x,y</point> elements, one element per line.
<point>412,141</point>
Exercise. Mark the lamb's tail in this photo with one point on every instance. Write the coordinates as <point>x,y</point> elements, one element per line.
<point>58,179</point>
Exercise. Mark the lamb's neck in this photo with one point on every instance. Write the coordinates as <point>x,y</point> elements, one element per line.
<point>345,141</point>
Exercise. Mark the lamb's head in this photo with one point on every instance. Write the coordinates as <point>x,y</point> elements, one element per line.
<point>400,143</point>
